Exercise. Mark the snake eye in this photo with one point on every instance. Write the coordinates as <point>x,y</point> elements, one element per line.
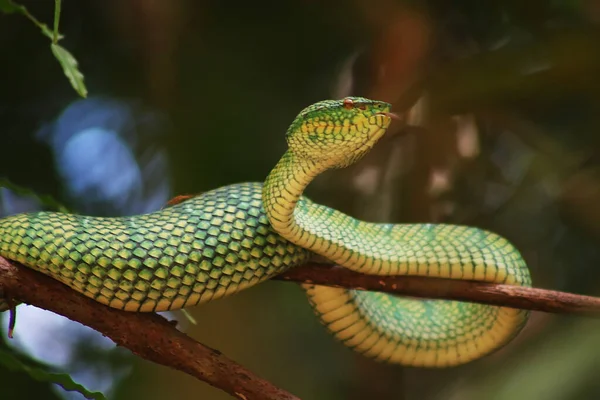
<point>348,104</point>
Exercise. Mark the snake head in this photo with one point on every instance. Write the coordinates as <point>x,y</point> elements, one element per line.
<point>337,133</point>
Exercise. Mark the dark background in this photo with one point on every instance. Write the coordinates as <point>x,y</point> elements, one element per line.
<point>500,103</point>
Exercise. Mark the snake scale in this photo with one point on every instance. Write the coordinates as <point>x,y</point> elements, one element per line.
<point>220,242</point>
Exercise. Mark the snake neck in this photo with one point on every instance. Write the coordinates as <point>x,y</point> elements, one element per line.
<point>283,190</point>
<point>315,227</point>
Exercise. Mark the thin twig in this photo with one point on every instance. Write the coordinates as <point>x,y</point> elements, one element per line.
<point>55,34</point>
<point>148,335</point>
<point>437,288</point>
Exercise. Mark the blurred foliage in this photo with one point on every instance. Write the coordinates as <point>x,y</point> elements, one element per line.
<point>12,361</point>
<point>45,200</point>
<point>501,104</point>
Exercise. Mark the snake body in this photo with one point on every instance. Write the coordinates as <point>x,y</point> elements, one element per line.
<point>234,237</point>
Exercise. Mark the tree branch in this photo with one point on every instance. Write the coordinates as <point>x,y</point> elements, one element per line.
<point>148,335</point>
<point>437,288</point>
<point>154,338</point>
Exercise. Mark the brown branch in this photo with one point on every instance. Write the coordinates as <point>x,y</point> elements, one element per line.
<point>148,335</point>
<point>154,338</point>
<point>436,288</point>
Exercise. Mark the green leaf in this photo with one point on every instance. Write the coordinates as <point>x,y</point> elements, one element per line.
<point>44,199</point>
<point>8,7</point>
<point>69,65</point>
<point>42,373</point>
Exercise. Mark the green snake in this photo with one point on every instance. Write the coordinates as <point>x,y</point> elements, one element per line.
<point>220,242</point>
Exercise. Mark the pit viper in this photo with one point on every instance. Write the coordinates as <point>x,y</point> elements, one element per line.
<point>231,238</point>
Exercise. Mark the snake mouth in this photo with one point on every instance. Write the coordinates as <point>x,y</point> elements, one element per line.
<point>390,115</point>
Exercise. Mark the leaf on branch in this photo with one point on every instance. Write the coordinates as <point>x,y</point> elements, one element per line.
<point>66,59</point>
<point>42,373</point>
<point>69,65</point>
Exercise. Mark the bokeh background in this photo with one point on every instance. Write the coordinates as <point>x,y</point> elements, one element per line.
<point>500,103</point>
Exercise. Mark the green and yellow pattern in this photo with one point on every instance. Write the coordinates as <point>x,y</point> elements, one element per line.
<point>234,237</point>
